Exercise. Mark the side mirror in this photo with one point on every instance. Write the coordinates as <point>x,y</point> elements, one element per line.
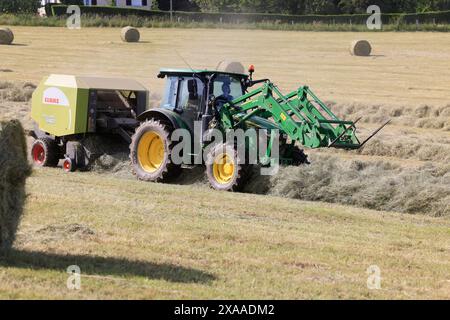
<point>192,88</point>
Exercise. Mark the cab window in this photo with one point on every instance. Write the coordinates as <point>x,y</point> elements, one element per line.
<point>228,87</point>
<point>187,100</point>
<point>170,93</point>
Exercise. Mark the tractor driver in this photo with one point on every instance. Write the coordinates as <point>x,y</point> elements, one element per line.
<point>226,89</point>
<point>225,97</point>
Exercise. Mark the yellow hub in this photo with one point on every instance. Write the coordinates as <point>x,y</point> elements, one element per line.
<point>151,151</point>
<point>223,168</point>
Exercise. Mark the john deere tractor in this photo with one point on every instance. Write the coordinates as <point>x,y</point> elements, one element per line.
<point>67,109</point>
<point>223,101</point>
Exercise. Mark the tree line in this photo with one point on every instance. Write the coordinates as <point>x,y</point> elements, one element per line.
<point>297,7</point>
<point>300,7</point>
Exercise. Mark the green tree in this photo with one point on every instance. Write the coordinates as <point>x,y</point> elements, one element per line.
<point>19,6</point>
<point>178,5</point>
<point>218,5</point>
<point>386,6</point>
<point>321,7</point>
<point>76,2</point>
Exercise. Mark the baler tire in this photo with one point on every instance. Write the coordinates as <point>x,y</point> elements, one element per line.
<point>164,170</point>
<point>69,165</point>
<point>231,181</point>
<point>45,152</point>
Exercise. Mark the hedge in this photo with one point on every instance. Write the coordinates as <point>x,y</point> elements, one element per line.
<point>442,17</point>
<point>19,6</point>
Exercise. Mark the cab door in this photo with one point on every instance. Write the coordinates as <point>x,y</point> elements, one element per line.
<point>189,100</point>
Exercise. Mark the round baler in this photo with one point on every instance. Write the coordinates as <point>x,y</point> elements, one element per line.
<point>67,109</point>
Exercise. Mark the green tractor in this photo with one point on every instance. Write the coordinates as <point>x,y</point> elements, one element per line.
<point>196,106</point>
<point>223,101</point>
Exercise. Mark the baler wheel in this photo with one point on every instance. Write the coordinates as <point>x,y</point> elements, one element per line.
<point>225,168</point>
<point>151,152</point>
<point>69,165</point>
<point>44,152</point>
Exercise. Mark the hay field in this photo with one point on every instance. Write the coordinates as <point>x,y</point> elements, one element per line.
<point>148,245</point>
<point>398,72</point>
<point>153,241</point>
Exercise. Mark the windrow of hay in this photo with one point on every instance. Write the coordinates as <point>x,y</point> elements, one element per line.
<point>403,147</point>
<point>360,48</point>
<point>5,85</point>
<point>130,34</point>
<point>14,169</point>
<point>424,116</point>
<point>108,153</point>
<point>6,36</point>
<point>375,185</point>
<point>422,151</point>
<point>16,92</point>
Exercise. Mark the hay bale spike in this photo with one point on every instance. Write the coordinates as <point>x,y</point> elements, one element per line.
<point>360,48</point>
<point>6,36</point>
<point>130,34</point>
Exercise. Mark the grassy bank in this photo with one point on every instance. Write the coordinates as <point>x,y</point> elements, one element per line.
<point>142,22</point>
<point>143,240</point>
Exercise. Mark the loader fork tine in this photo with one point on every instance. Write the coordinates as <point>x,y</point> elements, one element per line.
<point>374,133</point>
<point>344,132</point>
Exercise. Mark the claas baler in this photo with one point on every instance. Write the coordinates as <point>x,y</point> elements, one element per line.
<point>67,109</point>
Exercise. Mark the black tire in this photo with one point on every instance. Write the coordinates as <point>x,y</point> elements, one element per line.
<point>235,178</point>
<point>45,152</point>
<point>156,168</point>
<point>299,157</point>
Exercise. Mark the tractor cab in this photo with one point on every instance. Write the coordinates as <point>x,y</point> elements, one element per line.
<point>188,92</point>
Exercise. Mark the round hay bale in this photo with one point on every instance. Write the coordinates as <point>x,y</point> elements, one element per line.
<point>230,66</point>
<point>361,48</point>
<point>14,169</point>
<point>130,34</point>
<point>6,36</point>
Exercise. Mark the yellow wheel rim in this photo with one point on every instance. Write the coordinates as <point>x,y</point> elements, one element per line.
<point>151,151</point>
<point>223,168</point>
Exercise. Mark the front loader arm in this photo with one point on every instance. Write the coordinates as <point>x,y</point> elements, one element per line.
<point>300,115</point>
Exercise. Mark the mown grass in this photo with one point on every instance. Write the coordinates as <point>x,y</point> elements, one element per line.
<point>143,22</point>
<point>142,240</point>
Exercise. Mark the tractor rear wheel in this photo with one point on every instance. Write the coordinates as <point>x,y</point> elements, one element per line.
<point>151,152</point>
<point>45,153</point>
<point>225,168</point>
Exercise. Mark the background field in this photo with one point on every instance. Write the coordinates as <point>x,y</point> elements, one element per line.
<point>399,72</point>
<point>141,240</point>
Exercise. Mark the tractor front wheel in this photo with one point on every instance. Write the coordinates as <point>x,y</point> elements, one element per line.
<point>299,157</point>
<point>151,152</point>
<point>44,152</point>
<point>225,168</point>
